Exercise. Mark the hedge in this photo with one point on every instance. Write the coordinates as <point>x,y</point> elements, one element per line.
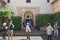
<point>57,17</point>
<point>43,19</point>
<point>17,23</point>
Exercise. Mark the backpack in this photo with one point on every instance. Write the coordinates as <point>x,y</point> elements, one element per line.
<point>10,27</point>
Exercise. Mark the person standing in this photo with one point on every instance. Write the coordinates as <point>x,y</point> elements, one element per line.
<point>56,26</point>
<point>10,30</point>
<point>49,30</point>
<point>4,30</point>
<point>28,30</point>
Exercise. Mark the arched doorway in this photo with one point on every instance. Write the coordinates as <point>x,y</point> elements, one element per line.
<point>28,17</point>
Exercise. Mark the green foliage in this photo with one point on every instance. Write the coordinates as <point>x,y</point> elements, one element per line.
<point>43,19</point>
<point>57,17</point>
<point>17,23</point>
<point>5,15</point>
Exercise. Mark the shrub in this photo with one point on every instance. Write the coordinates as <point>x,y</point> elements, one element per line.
<point>17,23</point>
<point>57,17</point>
<point>5,15</point>
<point>43,19</point>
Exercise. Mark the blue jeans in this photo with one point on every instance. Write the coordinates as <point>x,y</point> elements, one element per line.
<point>49,37</point>
<point>4,35</point>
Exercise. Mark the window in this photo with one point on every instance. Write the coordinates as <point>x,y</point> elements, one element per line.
<point>28,1</point>
<point>8,1</point>
<point>48,1</point>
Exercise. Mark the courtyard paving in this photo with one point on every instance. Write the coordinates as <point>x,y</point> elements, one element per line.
<point>32,38</point>
<point>25,38</point>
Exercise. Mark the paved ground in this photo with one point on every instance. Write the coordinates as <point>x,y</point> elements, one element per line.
<point>24,38</point>
<point>53,38</point>
<point>36,35</point>
<point>32,38</point>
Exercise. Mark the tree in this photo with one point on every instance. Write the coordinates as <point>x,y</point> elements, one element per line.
<point>5,15</point>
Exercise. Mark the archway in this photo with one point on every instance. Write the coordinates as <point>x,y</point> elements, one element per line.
<point>28,17</point>
<point>28,14</point>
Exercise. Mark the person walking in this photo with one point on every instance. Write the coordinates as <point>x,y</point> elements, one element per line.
<point>28,30</point>
<point>56,27</point>
<point>4,30</point>
<point>10,30</point>
<point>49,30</point>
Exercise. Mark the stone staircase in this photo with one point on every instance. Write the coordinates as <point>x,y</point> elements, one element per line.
<point>33,33</point>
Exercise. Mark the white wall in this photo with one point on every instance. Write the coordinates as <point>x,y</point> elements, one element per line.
<point>44,6</point>
<point>57,9</point>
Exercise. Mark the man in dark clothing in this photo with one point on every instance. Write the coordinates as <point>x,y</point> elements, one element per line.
<point>4,29</point>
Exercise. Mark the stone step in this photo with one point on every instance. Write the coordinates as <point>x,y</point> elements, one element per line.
<point>33,33</point>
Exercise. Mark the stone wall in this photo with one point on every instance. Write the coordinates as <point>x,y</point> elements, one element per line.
<point>56,6</point>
